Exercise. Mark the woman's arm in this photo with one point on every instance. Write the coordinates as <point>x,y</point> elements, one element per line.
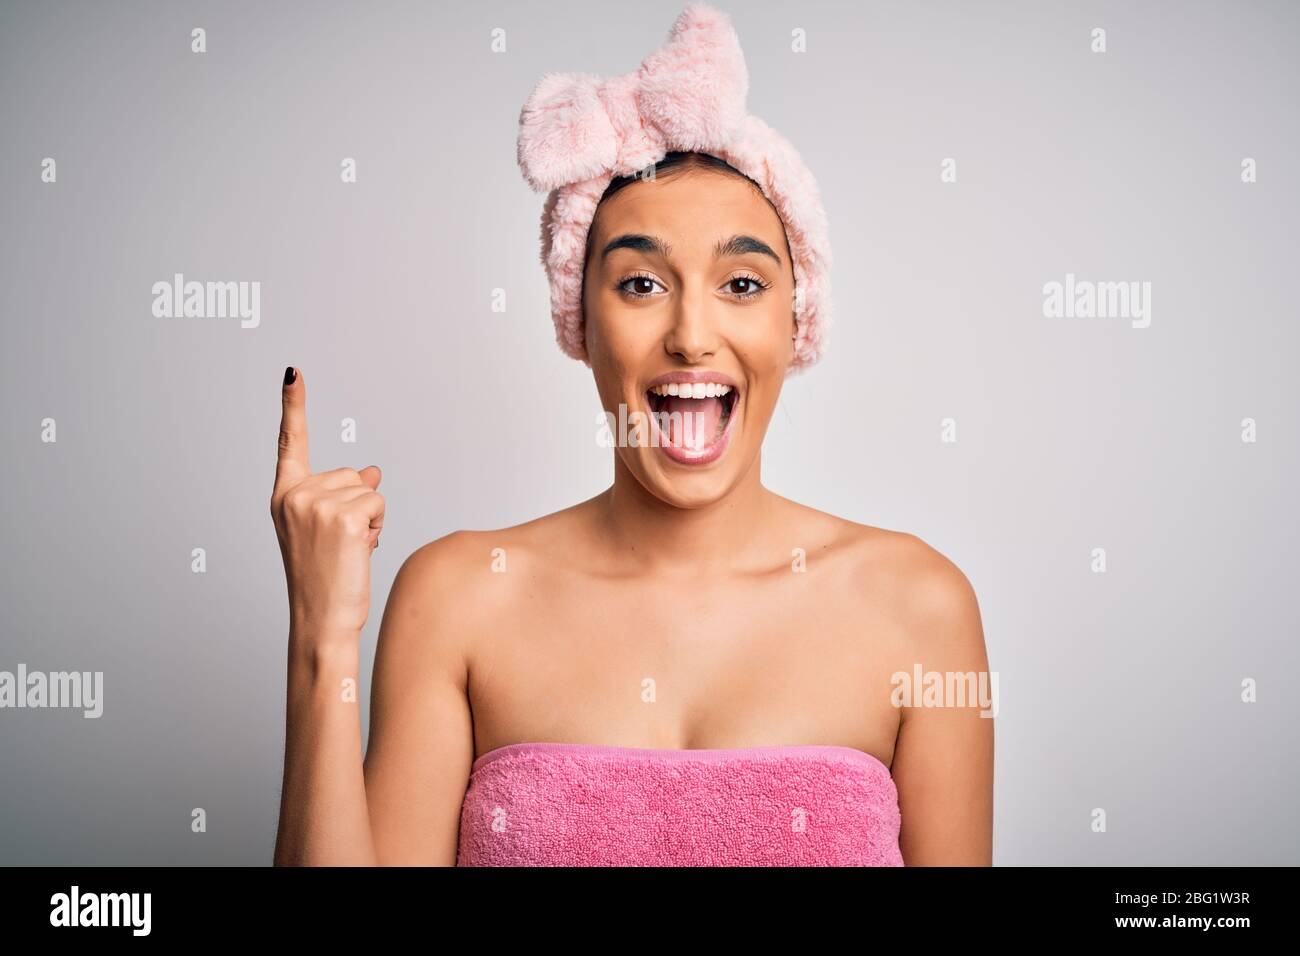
<point>323,815</point>
<point>421,733</point>
<point>400,803</point>
<point>401,806</point>
<point>943,759</point>
<point>327,525</point>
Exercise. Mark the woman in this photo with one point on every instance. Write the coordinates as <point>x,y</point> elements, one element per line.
<point>686,668</point>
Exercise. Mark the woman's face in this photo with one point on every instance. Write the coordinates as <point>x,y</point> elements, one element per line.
<point>688,301</point>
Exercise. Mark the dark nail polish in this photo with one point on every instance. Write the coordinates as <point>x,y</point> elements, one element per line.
<point>290,375</point>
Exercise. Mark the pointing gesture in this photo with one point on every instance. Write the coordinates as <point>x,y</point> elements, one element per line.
<point>327,524</point>
<point>293,463</point>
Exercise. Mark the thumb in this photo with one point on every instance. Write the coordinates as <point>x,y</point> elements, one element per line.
<point>371,476</point>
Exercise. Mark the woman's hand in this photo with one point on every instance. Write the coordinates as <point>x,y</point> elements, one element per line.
<point>328,525</point>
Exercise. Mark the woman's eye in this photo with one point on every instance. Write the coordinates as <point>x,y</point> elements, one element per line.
<point>638,286</point>
<point>745,287</point>
<point>641,287</point>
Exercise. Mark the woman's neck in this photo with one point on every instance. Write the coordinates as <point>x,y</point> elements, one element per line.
<point>639,526</point>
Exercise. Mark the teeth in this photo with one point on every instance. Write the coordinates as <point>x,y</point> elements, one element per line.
<point>693,390</point>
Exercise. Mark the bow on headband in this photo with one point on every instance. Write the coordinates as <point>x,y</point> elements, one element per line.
<point>688,95</point>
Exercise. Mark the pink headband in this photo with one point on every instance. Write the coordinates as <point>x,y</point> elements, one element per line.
<point>578,131</point>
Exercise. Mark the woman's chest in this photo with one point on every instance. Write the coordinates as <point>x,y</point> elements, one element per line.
<point>684,668</point>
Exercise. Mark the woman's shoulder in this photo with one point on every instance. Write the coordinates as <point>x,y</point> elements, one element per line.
<point>898,567</point>
<point>463,560</point>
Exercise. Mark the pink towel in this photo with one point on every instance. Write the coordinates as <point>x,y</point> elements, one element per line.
<point>555,804</point>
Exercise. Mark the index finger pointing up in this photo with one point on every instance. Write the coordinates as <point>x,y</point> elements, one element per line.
<point>292,465</point>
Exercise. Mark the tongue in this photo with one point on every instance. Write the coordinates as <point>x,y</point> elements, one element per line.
<point>693,421</point>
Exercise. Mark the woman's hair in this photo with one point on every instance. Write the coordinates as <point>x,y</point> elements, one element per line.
<point>675,161</point>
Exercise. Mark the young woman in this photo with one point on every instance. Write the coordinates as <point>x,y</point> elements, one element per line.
<point>685,669</point>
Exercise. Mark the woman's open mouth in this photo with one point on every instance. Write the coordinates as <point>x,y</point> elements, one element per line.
<point>691,415</point>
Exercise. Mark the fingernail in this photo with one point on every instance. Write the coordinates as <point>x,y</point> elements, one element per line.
<point>290,375</point>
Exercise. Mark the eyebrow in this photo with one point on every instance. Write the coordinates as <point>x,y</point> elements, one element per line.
<point>653,245</point>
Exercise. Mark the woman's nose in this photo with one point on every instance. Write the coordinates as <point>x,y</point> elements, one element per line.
<point>694,334</point>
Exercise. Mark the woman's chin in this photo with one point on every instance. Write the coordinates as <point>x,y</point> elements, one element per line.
<point>686,484</point>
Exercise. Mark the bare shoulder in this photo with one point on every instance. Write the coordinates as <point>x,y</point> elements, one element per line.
<point>462,577</point>
<point>927,584</point>
<point>927,593</point>
<point>911,580</point>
